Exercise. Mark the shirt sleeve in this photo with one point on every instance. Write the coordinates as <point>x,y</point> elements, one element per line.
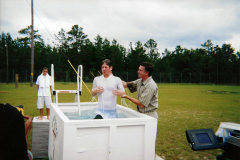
<point>94,83</point>
<point>120,85</point>
<point>132,86</point>
<point>147,95</point>
<point>37,81</point>
<point>51,81</point>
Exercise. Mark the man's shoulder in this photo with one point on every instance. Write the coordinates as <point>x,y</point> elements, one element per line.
<point>116,78</point>
<point>37,81</point>
<point>98,77</point>
<point>136,81</point>
<point>151,83</point>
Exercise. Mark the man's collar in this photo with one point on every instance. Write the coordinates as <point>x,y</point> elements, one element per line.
<point>147,80</point>
<point>108,76</point>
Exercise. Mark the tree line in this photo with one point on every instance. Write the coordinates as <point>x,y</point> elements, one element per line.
<point>75,46</point>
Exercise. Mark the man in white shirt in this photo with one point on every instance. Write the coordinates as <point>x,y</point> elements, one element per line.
<point>103,86</point>
<point>44,82</point>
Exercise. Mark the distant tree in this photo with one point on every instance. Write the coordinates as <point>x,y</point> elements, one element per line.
<point>106,44</point>
<point>136,56</point>
<point>27,32</point>
<point>62,45</point>
<point>98,43</point>
<point>88,56</point>
<point>208,46</point>
<point>117,53</point>
<point>221,63</point>
<point>4,40</point>
<point>166,52</point>
<point>182,59</point>
<point>61,41</point>
<point>151,45</point>
<point>76,39</point>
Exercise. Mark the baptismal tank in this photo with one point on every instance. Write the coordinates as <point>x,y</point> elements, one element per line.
<point>75,135</point>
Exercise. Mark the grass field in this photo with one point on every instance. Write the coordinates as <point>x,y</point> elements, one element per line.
<point>181,107</point>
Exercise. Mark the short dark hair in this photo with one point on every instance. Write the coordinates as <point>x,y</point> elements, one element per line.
<point>44,68</point>
<point>108,62</point>
<point>148,67</point>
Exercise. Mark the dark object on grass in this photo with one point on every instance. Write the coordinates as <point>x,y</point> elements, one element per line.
<point>5,92</point>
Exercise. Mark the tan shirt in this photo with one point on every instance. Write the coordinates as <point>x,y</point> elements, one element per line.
<point>147,94</point>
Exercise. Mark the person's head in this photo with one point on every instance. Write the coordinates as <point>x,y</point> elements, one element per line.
<point>44,71</point>
<point>145,70</point>
<point>106,67</point>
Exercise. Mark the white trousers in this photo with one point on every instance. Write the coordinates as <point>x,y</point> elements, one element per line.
<point>43,99</point>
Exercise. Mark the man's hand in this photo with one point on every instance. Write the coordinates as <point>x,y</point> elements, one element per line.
<point>27,117</point>
<point>98,89</point>
<point>118,93</point>
<point>135,101</point>
<point>124,96</point>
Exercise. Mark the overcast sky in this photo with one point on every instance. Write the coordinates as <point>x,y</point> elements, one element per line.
<point>188,23</point>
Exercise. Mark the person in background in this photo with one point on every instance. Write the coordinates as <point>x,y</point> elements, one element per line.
<point>14,133</point>
<point>103,86</point>
<point>44,83</point>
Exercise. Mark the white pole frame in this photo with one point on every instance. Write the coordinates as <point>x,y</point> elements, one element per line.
<point>79,86</point>
<point>78,91</point>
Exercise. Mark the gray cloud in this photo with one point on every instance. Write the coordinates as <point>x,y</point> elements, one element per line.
<point>169,22</point>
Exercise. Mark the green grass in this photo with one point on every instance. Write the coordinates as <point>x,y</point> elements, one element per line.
<point>181,107</point>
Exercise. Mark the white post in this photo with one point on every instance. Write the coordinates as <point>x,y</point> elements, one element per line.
<point>79,87</point>
<point>81,78</point>
<point>56,96</point>
<point>52,75</point>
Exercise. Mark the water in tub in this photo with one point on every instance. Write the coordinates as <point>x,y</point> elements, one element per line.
<point>87,114</point>
<point>90,114</point>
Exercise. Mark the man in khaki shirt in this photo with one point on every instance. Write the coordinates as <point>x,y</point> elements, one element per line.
<point>147,91</point>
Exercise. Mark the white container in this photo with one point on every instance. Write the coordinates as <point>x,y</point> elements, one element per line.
<point>131,138</point>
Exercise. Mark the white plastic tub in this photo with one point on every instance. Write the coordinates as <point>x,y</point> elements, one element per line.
<point>131,138</point>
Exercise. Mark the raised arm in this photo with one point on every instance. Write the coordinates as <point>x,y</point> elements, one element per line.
<point>124,84</point>
<point>135,101</point>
